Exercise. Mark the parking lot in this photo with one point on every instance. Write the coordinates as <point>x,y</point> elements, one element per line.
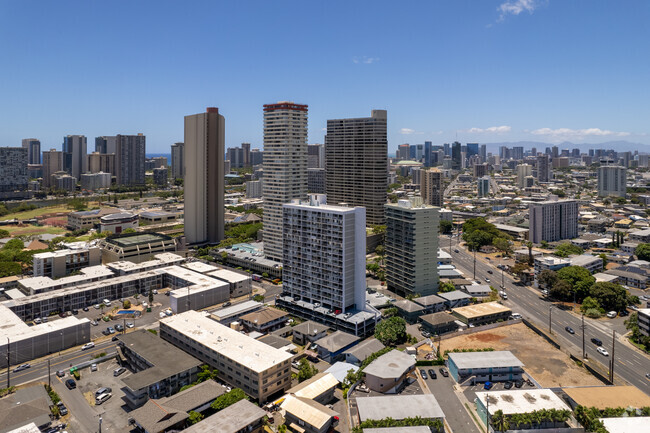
<point>451,403</point>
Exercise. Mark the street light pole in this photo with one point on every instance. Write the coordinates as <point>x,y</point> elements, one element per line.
<point>474,263</point>
<point>584,354</point>
<point>611,370</point>
<point>8,361</point>
<point>550,315</point>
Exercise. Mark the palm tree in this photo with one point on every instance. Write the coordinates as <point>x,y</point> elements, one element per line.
<point>529,245</point>
<point>500,421</point>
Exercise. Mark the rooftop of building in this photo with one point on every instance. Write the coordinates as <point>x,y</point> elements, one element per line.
<point>264,315</point>
<point>366,348</point>
<point>117,216</point>
<point>228,275</point>
<point>478,288</point>
<point>440,318</point>
<point>550,261</point>
<point>236,309</point>
<point>390,365</point>
<point>336,341</point>
<point>630,424</point>
<point>276,341</point>
<point>307,410</point>
<point>94,212</point>
<point>522,401</point>
<point>58,253</point>
<point>603,397</point>
<point>200,267</point>
<point>408,306</point>
<point>232,419</point>
<point>315,386</point>
<point>584,260</point>
<point>87,274</point>
<point>166,359</point>
<point>497,359</point>
<point>133,239</point>
<point>309,327</point>
<point>455,295</point>
<point>27,428</point>
<point>30,404</point>
<point>480,310</point>
<point>399,407</point>
<point>230,343</point>
<point>429,300</point>
<point>12,327</point>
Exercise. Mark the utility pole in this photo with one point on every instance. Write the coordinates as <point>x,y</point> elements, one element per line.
<point>584,354</point>
<point>611,370</point>
<point>100,424</point>
<point>503,286</point>
<point>124,327</point>
<point>49,374</point>
<point>550,315</point>
<point>475,263</point>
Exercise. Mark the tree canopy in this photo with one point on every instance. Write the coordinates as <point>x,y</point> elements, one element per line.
<point>477,233</point>
<point>547,278</point>
<point>391,331</point>
<point>227,399</point>
<point>566,249</point>
<point>610,296</point>
<point>642,251</point>
<point>306,370</point>
<point>580,279</point>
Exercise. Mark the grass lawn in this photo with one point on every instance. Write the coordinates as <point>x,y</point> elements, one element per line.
<point>36,212</point>
<point>34,230</point>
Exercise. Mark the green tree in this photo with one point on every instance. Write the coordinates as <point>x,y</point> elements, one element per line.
<point>391,331</point>
<point>610,296</point>
<point>4,234</point>
<point>566,249</point>
<point>306,370</point>
<point>529,245</point>
<point>129,230</point>
<point>580,279</point>
<point>562,290</point>
<point>194,417</point>
<point>604,257</point>
<point>642,252</point>
<point>8,269</point>
<point>446,226</point>
<point>503,245</point>
<point>547,278</point>
<point>389,312</point>
<point>589,303</point>
<point>500,421</point>
<point>14,244</point>
<point>447,286</point>
<point>227,399</point>
<point>379,229</point>
<point>150,297</point>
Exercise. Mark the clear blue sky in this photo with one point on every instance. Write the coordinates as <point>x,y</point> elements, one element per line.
<point>487,71</point>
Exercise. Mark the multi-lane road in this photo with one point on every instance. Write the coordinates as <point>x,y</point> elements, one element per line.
<point>629,364</point>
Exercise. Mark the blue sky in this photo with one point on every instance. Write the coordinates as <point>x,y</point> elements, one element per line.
<point>482,70</point>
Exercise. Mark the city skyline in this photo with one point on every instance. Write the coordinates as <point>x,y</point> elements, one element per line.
<point>545,71</point>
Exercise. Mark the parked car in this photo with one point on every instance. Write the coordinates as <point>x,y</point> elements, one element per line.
<point>155,292</point>
<point>623,313</point>
<point>488,385</point>
<point>21,367</point>
<point>162,315</point>
<point>85,308</point>
<point>611,314</point>
<point>37,321</point>
<point>570,330</point>
<point>102,390</point>
<point>97,306</point>
<point>119,371</point>
<point>519,383</point>
<point>487,280</point>
<point>102,398</point>
<point>94,322</point>
<point>444,372</point>
<point>227,304</point>
<point>107,302</point>
<point>75,311</point>
<point>63,411</point>
<point>60,373</point>
<point>508,385</point>
<point>647,375</point>
<point>602,351</point>
<point>597,341</point>
<point>93,367</point>
<point>71,384</point>
<point>424,374</point>
<point>110,330</point>
<point>129,325</point>
<point>432,373</point>
<point>88,346</point>
<point>119,328</point>
<point>490,271</point>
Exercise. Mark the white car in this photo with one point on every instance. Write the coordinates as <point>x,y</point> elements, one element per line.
<point>93,367</point>
<point>37,320</point>
<point>129,325</point>
<point>612,314</point>
<point>162,315</point>
<point>602,351</point>
<point>88,346</point>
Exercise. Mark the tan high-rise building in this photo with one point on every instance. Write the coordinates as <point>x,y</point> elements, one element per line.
<point>204,177</point>
<point>431,187</point>
<point>101,162</point>
<point>285,167</point>
<point>356,164</point>
<point>52,162</point>
<point>523,171</point>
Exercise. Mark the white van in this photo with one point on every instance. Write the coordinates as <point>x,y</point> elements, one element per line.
<point>102,398</point>
<point>516,316</point>
<point>107,302</point>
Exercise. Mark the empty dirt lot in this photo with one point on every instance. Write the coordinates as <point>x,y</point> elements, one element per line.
<point>549,366</point>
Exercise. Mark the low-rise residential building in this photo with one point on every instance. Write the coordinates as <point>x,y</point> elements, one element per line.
<point>308,332</point>
<point>240,284</point>
<point>194,291</point>
<point>331,347</point>
<point>168,414</point>
<point>522,255</point>
<point>455,299</point>
<point>232,313</point>
<point>258,369</point>
<point>399,407</point>
<point>319,388</point>
<point>27,405</point>
<point>604,397</point>
<point>482,314</point>
<point>641,236</point>
<point>265,320</point>
<point>240,417</point>
<point>628,424</point>
<point>627,278</point>
<point>629,247</point>
<point>160,369</point>
<point>135,247</point>
<point>479,291</point>
<point>587,261</point>
<point>409,310</point>
<point>519,401</point>
<point>37,285</point>
<point>389,372</point>
<point>439,323</point>
<point>308,416</point>
<point>550,264</point>
<point>495,366</point>
<point>158,217</point>
<point>359,353</point>
<point>56,264</point>
<point>431,303</point>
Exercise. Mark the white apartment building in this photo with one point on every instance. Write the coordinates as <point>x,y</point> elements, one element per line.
<point>523,171</point>
<point>550,264</point>
<point>612,181</point>
<point>254,189</point>
<point>285,167</point>
<point>644,321</point>
<point>56,264</point>
<point>412,247</point>
<point>95,181</point>
<point>553,220</point>
<point>325,254</point>
<point>258,369</point>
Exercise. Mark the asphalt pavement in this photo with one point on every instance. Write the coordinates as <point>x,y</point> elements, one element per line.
<point>629,364</point>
